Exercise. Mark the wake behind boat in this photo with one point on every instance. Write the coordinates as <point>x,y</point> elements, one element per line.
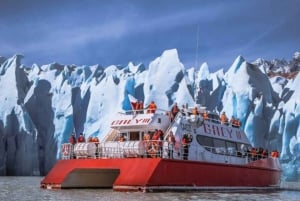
<point>153,152</point>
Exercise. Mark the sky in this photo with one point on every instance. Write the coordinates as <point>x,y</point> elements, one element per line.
<point>115,32</point>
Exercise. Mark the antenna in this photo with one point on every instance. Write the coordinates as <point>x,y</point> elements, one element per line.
<point>197,47</point>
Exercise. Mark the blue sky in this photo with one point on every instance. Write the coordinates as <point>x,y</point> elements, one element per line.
<point>87,32</point>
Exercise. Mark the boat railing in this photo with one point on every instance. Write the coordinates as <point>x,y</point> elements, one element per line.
<point>150,149</point>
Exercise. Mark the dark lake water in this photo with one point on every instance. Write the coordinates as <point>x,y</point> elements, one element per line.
<point>28,188</point>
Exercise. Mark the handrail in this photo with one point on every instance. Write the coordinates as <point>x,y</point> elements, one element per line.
<point>155,148</point>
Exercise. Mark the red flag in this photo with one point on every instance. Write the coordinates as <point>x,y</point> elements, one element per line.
<point>133,102</point>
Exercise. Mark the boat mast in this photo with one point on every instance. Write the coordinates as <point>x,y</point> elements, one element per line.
<point>196,88</point>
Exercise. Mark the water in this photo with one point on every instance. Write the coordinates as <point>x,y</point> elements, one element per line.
<point>28,188</point>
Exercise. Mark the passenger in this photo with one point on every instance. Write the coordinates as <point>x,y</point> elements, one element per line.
<point>90,139</point>
<point>265,153</point>
<point>81,138</point>
<point>96,141</point>
<point>121,138</point>
<point>183,110</point>
<point>205,115</point>
<point>140,107</point>
<point>259,152</point>
<point>238,123</point>
<point>233,122</point>
<point>224,119</point>
<point>171,143</point>
<point>185,145</point>
<point>147,143</point>
<point>174,110</point>
<point>151,107</point>
<point>253,154</point>
<point>160,143</point>
<point>195,111</point>
<point>72,139</point>
<point>275,154</point>
<point>156,142</point>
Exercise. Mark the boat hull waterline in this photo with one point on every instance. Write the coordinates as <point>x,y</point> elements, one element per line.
<point>157,174</point>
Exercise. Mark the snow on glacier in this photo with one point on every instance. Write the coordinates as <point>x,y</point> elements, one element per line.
<point>41,106</point>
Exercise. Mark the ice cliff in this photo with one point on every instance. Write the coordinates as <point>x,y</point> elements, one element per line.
<point>41,105</point>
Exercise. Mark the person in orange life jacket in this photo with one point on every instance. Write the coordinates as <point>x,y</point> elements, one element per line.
<point>95,140</point>
<point>81,138</point>
<point>171,143</point>
<point>205,115</point>
<point>90,139</point>
<point>195,111</point>
<point>156,143</point>
<point>151,107</point>
<point>72,139</point>
<point>233,122</point>
<point>223,118</point>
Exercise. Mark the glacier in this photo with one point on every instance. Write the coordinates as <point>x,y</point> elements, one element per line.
<point>42,105</point>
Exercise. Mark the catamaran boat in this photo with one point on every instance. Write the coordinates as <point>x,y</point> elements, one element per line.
<point>213,156</point>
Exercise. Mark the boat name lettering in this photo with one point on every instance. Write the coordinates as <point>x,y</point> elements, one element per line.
<point>225,132</point>
<point>129,121</point>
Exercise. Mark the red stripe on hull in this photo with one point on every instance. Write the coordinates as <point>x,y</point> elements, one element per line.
<point>141,172</point>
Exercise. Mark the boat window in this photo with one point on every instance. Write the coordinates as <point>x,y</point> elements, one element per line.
<point>123,136</point>
<point>204,141</point>
<point>231,148</point>
<point>134,136</point>
<point>219,146</point>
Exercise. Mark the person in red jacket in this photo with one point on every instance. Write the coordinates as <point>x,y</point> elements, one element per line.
<point>72,139</point>
<point>81,138</point>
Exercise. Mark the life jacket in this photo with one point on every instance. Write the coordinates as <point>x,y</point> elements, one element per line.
<point>152,108</point>
<point>195,111</point>
<point>80,139</point>
<point>223,118</point>
<point>171,139</point>
<point>205,115</point>
<point>147,136</point>
<point>175,110</point>
<point>185,141</point>
<point>96,140</point>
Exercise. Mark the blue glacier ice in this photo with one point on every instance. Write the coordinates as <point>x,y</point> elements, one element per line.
<point>42,105</point>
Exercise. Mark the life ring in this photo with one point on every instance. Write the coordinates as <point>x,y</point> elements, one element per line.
<point>153,150</point>
<point>65,150</point>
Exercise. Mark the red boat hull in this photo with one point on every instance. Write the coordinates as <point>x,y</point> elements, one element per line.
<point>158,174</point>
